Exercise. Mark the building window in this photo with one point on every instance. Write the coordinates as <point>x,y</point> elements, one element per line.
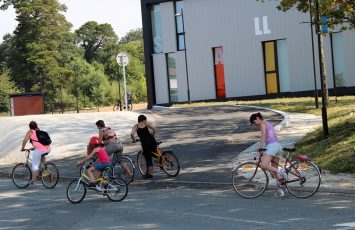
<point>173,86</point>
<point>156,29</point>
<point>219,72</point>
<point>271,67</point>
<point>337,49</point>
<point>180,27</point>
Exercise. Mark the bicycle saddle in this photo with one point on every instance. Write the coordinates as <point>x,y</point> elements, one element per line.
<point>159,142</point>
<point>290,149</point>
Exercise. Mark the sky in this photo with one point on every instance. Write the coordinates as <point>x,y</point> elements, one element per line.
<point>123,15</point>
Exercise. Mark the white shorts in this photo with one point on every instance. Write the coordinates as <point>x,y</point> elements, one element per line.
<point>273,149</point>
<point>36,158</point>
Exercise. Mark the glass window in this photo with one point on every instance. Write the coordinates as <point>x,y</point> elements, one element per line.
<point>180,27</point>
<point>173,86</point>
<point>156,29</point>
<point>338,56</point>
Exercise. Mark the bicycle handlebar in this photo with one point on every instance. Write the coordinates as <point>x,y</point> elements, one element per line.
<point>27,150</point>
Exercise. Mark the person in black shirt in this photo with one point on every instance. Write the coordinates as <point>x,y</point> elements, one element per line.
<point>149,144</point>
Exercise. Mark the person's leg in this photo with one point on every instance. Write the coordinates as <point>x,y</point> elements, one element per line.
<point>91,175</point>
<point>36,160</point>
<point>265,164</point>
<point>147,153</point>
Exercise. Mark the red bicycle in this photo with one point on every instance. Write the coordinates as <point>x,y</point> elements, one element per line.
<point>302,180</point>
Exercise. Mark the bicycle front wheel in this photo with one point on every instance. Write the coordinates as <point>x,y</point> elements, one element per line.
<point>50,175</point>
<point>303,179</point>
<point>142,164</point>
<point>170,164</point>
<point>21,175</point>
<point>116,190</point>
<point>76,191</point>
<point>249,180</point>
<point>124,169</point>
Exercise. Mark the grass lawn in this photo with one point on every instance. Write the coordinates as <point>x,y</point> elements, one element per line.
<point>337,153</point>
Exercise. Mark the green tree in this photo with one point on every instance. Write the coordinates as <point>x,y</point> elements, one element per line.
<point>132,35</point>
<point>98,40</point>
<point>6,87</point>
<point>339,12</point>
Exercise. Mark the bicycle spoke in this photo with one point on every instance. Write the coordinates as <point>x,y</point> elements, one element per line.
<point>303,179</point>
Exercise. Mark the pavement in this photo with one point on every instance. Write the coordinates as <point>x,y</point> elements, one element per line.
<point>210,141</point>
<point>171,209</point>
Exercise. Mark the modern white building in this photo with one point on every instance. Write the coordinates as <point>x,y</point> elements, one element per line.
<point>215,50</point>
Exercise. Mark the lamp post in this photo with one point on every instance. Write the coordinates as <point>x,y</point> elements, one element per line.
<point>181,14</point>
<point>123,60</point>
<point>313,58</point>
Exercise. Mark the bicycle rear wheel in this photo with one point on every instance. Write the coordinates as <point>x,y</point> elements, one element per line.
<point>170,164</point>
<point>124,169</point>
<point>249,181</point>
<point>50,175</point>
<point>303,179</point>
<point>116,190</point>
<point>76,191</point>
<point>21,175</point>
<point>142,165</point>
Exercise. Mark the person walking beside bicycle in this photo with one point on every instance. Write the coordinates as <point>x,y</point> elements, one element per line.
<point>39,150</point>
<point>268,141</point>
<point>149,144</point>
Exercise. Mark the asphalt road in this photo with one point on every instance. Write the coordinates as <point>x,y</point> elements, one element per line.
<point>39,208</point>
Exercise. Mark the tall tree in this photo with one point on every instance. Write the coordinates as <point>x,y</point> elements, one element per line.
<point>98,40</point>
<point>6,87</point>
<point>41,28</point>
<point>132,35</point>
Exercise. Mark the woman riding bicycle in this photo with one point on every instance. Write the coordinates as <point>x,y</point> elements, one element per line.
<point>108,137</point>
<point>268,141</point>
<point>95,148</point>
<point>148,142</point>
<point>39,150</point>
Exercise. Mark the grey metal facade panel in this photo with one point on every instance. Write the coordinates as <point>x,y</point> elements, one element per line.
<point>168,27</point>
<point>230,24</point>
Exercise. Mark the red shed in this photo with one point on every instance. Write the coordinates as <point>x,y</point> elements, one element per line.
<point>26,104</point>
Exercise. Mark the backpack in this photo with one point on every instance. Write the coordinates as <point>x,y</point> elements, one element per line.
<point>43,137</point>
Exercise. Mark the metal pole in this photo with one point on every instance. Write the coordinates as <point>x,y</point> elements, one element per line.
<point>125,87</point>
<point>313,57</point>
<point>322,74</point>
<point>119,93</point>
<point>333,67</point>
<point>187,70</point>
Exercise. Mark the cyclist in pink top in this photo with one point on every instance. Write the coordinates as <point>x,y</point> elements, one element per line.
<point>95,148</point>
<point>38,151</point>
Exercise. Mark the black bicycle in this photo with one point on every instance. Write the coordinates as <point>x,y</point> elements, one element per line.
<point>22,174</point>
<point>119,106</point>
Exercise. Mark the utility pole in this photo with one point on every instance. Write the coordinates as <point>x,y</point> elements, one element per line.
<point>313,58</point>
<point>323,74</point>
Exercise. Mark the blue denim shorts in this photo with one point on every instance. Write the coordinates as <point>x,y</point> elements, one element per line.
<point>100,166</point>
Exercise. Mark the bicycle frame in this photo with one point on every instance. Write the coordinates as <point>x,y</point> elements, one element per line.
<point>287,169</point>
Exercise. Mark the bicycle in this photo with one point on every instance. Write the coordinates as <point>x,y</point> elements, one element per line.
<point>119,106</point>
<point>119,168</point>
<point>22,174</point>
<point>302,180</point>
<point>115,189</point>
<point>166,160</point>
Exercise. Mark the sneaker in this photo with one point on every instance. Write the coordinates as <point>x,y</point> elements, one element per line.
<point>31,182</point>
<point>279,193</point>
<point>148,176</point>
<point>282,172</point>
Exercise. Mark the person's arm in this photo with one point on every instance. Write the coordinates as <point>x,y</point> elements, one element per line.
<point>133,133</point>
<point>101,136</point>
<point>88,157</point>
<point>149,125</point>
<point>262,143</point>
<point>25,139</point>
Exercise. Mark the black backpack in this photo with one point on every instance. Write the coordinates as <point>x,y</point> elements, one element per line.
<point>43,137</point>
